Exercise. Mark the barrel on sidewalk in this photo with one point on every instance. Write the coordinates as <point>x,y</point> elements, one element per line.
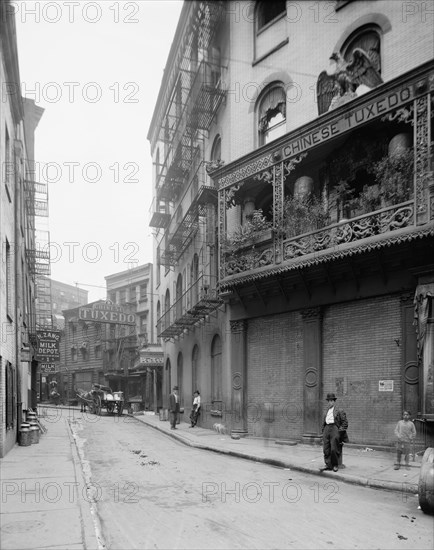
<point>24,439</point>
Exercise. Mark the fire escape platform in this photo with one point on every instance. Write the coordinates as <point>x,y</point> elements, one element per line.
<point>191,317</point>
<point>180,239</point>
<point>160,219</point>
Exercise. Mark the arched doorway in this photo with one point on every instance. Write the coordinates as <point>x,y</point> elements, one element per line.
<point>195,370</point>
<point>180,376</point>
<point>216,373</point>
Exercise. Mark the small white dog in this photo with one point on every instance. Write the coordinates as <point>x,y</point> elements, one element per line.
<point>219,428</point>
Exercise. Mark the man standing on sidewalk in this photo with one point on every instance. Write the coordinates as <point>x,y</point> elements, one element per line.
<point>335,427</point>
<point>174,407</point>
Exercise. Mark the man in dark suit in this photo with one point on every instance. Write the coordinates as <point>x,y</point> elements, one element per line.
<point>334,429</point>
<point>174,407</point>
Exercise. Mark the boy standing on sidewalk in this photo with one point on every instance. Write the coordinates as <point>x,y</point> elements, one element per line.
<point>406,433</point>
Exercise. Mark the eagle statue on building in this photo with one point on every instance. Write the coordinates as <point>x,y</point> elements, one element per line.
<point>348,80</point>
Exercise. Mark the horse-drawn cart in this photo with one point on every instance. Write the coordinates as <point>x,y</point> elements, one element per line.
<point>102,396</point>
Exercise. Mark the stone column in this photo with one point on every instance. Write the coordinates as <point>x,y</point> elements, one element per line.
<point>154,388</point>
<point>312,361</point>
<point>238,352</point>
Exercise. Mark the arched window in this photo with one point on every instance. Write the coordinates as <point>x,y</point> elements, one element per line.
<point>368,39</point>
<point>216,151</point>
<point>194,275</point>
<point>168,377</point>
<point>179,296</point>
<point>272,114</point>
<point>268,11</point>
<point>195,369</point>
<point>166,319</point>
<point>158,318</point>
<point>216,371</point>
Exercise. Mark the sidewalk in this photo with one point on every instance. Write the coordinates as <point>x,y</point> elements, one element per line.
<point>44,500</point>
<point>44,491</point>
<point>365,467</point>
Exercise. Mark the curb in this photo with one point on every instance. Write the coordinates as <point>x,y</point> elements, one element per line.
<point>90,526</point>
<point>402,487</point>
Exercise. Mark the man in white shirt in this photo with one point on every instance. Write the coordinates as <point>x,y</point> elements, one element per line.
<point>335,427</point>
<point>196,409</point>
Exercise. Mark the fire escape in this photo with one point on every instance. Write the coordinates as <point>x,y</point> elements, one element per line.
<point>38,252</point>
<point>185,198</point>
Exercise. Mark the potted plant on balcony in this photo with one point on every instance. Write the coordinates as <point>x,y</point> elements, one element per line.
<point>394,174</point>
<point>257,228</point>
<point>369,199</point>
<point>344,201</point>
<point>302,214</point>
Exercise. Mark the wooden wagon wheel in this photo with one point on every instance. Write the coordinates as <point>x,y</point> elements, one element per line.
<point>426,482</point>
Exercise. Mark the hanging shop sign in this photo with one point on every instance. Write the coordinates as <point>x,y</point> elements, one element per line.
<point>154,359</point>
<point>106,313</point>
<point>48,345</point>
<point>351,119</point>
<point>47,368</point>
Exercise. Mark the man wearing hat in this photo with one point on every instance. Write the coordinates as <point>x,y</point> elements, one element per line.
<point>335,427</point>
<point>174,407</point>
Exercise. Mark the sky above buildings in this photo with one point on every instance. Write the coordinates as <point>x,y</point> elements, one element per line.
<point>96,69</point>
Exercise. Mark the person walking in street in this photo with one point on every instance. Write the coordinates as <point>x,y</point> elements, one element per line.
<point>174,407</point>
<point>405,432</point>
<point>334,429</point>
<point>195,410</point>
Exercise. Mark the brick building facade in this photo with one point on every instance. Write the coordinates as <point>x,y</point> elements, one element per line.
<point>322,228</point>
<point>19,192</point>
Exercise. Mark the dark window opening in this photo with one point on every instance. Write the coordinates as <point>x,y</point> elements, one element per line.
<point>267,11</point>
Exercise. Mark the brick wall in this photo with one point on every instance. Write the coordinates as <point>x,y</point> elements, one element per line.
<point>275,365</point>
<point>359,350</point>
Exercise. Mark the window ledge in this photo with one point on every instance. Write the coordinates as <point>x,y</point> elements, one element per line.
<point>280,45</point>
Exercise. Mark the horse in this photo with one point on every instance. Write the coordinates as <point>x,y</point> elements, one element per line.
<point>86,398</point>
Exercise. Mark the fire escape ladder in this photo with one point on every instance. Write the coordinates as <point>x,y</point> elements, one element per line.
<point>38,249</point>
<point>195,304</point>
<point>196,93</point>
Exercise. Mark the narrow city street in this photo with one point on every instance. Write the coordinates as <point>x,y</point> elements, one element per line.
<point>151,491</point>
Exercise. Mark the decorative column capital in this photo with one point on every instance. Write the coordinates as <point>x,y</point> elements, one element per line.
<point>311,313</point>
<point>238,327</point>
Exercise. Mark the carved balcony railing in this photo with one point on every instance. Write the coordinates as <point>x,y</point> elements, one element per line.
<point>368,227</point>
<point>362,227</point>
<point>198,301</point>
